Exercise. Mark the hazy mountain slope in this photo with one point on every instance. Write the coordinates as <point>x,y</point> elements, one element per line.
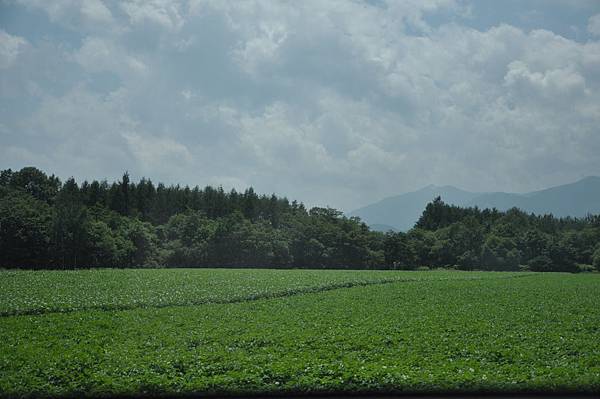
<point>384,228</point>
<point>499,200</point>
<point>402,211</point>
<point>574,199</point>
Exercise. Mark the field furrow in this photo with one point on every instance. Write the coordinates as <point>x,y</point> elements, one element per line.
<point>43,292</point>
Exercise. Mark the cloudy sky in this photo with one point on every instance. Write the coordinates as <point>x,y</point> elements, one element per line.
<point>336,103</point>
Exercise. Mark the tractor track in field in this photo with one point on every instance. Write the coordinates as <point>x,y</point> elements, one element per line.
<point>248,298</point>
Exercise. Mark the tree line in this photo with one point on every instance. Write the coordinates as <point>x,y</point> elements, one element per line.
<point>46,223</point>
<point>475,239</point>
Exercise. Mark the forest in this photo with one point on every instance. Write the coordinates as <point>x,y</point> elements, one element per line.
<point>46,223</point>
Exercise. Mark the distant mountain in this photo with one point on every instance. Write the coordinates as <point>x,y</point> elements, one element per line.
<point>384,228</point>
<point>402,211</point>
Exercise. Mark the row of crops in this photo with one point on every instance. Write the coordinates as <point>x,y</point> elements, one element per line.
<point>36,292</point>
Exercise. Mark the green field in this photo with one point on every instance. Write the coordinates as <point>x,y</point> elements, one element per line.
<point>239,331</point>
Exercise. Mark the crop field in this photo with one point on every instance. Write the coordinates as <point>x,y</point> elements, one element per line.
<point>217,331</point>
<point>36,292</point>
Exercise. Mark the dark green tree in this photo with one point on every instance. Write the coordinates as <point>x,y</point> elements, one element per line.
<point>25,226</point>
<point>70,226</point>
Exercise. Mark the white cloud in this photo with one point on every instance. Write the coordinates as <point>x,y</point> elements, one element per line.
<point>97,54</point>
<point>164,13</point>
<point>336,103</point>
<point>10,47</point>
<point>594,25</point>
<point>553,84</point>
<point>84,129</point>
<point>96,11</point>
<point>153,151</point>
<point>261,48</point>
<point>187,94</point>
<point>76,14</point>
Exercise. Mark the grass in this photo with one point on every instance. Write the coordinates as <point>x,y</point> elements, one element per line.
<point>428,332</point>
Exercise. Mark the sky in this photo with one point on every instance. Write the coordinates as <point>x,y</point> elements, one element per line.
<point>333,103</point>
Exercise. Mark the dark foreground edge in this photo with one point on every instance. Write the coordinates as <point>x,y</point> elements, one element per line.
<point>333,395</point>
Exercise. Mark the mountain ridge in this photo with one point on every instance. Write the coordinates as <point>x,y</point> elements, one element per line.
<point>576,199</point>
